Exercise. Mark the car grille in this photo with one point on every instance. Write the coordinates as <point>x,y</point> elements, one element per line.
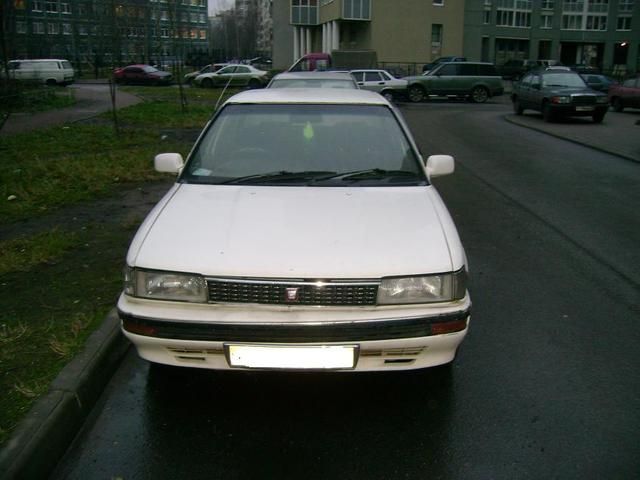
<point>583,99</point>
<point>292,292</point>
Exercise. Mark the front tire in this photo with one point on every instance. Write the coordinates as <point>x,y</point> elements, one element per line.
<point>207,83</point>
<point>617,104</point>
<point>479,95</point>
<point>416,94</point>
<point>517,107</point>
<point>389,96</point>
<point>547,112</point>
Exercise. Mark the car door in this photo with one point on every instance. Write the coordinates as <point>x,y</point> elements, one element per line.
<point>241,76</point>
<point>224,75</point>
<point>633,99</point>
<point>523,91</point>
<point>133,75</point>
<point>373,81</point>
<point>443,79</point>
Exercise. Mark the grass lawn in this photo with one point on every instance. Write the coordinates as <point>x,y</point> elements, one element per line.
<point>59,277</point>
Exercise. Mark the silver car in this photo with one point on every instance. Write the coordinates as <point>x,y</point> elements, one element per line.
<point>313,80</point>
<point>382,82</point>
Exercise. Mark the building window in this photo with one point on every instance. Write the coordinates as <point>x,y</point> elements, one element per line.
<point>52,28</point>
<point>164,15</point>
<point>66,29</point>
<point>439,3</point>
<point>203,18</point>
<point>546,21</point>
<point>514,13</point>
<point>585,14</point>
<point>52,7</point>
<point>82,10</point>
<point>305,12</point>
<point>203,34</point>
<point>38,6</point>
<point>65,8</point>
<point>356,9</point>
<point>21,27</point>
<point>82,30</point>
<point>38,27</point>
<point>436,39</point>
<point>487,17</point>
<point>624,23</point>
<point>547,4</point>
<point>625,5</point>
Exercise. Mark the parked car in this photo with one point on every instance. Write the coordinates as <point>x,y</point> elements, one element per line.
<point>583,68</point>
<point>330,249</point>
<point>513,69</point>
<point>599,82</point>
<point>50,71</point>
<point>430,66</point>
<point>314,79</point>
<point>558,93</point>
<point>626,94</point>
<point>474,80</point>
<point>382,82</point>
<point>142,75</point>
<point>212,67</point>
<point>233,75</point>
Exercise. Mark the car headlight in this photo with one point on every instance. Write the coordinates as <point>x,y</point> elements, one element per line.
<point>602,99</point>
<point>561,99</point>
<point>182,287</point>
<point>443,287</point>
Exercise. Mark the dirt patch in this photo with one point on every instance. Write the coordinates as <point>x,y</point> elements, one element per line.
<point>130,203</point>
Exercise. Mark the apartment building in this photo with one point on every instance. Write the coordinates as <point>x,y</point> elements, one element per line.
<point>106,32</point>
<point>601,33</point>
<point>400,31</point>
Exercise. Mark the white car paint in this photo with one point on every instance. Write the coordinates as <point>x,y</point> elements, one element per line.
<point>300,232</point>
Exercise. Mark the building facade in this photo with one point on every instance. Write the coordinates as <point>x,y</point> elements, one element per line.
<point>601,33</point>
<point>400,32</point>
<point>106,32</point>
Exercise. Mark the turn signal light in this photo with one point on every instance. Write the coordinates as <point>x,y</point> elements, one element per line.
<point>133,327</point>
<point>441,328</point>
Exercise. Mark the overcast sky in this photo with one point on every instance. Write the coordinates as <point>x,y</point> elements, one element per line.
<point>215,5</point>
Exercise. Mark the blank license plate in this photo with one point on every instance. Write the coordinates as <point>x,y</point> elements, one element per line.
<point>584,109</point>
<point>294,357</point>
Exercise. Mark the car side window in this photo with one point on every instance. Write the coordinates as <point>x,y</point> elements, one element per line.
<point>358,76</point>
<point>468,70</point>
<point>448,70</point>
<point>224,70</point>
<point>526,81</point>
<point>242,70</point>
<point>536,81</point>
<point>371,77</point>
<point>629,83</point>
<point>206,69</point>
<point>385,76</point>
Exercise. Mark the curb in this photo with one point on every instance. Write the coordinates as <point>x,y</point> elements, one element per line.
<point>514,121</point>
<point>42,438</point>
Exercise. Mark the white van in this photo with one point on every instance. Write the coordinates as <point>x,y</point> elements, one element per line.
<point>48,71</point>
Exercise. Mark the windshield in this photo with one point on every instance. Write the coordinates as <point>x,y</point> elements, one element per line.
<point>562,80</point>
<point>315,83</point>
<point>323,145</point>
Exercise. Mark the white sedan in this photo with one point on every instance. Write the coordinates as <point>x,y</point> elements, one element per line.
<point>234,76</point>
<point>303,233</point>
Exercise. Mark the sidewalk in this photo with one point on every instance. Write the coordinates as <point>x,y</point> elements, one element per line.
<point>92,98</point>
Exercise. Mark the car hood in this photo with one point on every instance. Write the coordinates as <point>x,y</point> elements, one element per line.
<point>295,232</point>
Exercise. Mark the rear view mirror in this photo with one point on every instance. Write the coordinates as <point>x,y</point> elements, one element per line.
<point>438,165</point>
<point>168,163</point>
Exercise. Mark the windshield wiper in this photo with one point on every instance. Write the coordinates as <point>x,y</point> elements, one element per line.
<point>282,175</point>
<point>370,173</point>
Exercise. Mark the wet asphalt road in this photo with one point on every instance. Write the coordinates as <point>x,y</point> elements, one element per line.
<point>544,387</point>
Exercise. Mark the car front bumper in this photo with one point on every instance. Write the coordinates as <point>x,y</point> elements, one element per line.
<point>383,338</point>
<point>579,110</point>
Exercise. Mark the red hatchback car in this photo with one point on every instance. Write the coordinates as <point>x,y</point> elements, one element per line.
<point>142,75</point>
<point>627,94</point>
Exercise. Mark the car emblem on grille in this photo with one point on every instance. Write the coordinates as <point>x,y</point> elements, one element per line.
<point>291,294</point>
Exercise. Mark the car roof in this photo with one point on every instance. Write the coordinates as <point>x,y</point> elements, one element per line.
<point>308,96</point>
<point>465,63</point>
<point>322,75</point>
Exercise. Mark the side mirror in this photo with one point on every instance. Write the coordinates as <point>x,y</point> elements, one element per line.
<point>168,163</point>
<point>438,165</point>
